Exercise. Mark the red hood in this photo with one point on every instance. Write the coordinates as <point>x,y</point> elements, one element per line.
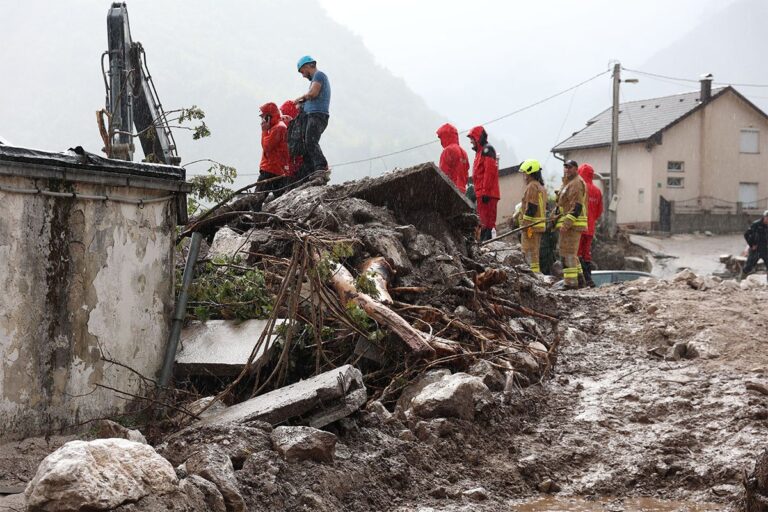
<point>289,109</point>
<point>448,134</point>
<point>475,133</point>
<point>274,112</point>
<point>587,173</point>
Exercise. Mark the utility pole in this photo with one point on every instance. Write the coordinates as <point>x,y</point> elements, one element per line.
<point>614,180</point>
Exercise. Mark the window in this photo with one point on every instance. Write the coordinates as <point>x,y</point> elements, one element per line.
<point>748,195</point>
<point>750,141</point>
<point>674,182</point>
<point>641,195</point>
<point>675,166</point>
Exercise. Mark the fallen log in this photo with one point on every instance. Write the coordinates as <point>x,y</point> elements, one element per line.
<point>380,272</point>
<point>344,284</point>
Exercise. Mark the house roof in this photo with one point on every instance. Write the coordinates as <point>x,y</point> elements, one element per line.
<point>509,171</point>
<point>638,120</point>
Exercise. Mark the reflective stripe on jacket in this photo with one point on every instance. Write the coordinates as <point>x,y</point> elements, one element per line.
<point>534,208</point>
<point>572,205</point>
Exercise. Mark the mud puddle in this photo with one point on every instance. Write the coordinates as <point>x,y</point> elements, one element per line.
<point>551,504</point>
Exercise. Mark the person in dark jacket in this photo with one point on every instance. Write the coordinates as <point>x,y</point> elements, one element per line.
<point>757,238</point>
<point>485,176</point>
<point>454,161</point>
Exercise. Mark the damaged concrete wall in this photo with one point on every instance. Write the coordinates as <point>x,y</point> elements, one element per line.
<point>84,281</point>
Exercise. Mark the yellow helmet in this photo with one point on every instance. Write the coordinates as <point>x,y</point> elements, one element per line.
<point>530,166</point>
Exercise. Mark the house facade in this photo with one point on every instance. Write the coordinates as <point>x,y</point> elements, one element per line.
<point>511,187</point>
<point>699,154</point>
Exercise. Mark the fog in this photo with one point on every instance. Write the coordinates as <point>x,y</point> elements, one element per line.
<point>399,69</point>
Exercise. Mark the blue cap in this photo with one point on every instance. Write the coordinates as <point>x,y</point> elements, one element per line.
<point>304,60</point>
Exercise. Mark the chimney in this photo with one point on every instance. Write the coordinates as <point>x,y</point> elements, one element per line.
<point>706,88</point>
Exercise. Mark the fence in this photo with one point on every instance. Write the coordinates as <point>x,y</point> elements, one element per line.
<point>708,214</point>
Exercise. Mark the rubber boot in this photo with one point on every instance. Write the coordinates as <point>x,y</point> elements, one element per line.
<point>582,281</point>
<point>586,266</point>
<point>485,234</point>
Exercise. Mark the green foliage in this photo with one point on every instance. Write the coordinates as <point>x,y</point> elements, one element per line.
<point>224,290</point>
<point>365,284</point>
<point>329,259</point>
<point>211,187</point>
<point>359,317</point>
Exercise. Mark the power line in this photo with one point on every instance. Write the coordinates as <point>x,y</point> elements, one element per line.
<point>690,80</point>
<point>505,116</point>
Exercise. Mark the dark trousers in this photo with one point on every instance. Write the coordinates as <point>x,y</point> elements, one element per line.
<point>277,187</point>
<point>753,258</point>
<point>316,124</point>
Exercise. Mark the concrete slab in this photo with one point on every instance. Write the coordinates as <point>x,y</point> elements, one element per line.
<point>422,187</point>
<point>220,347</point>
<point>316,402</point>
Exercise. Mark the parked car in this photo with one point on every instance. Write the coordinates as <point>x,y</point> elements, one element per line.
<point>604,277</point>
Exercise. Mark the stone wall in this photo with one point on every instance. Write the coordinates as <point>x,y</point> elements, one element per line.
<point>85,282</point>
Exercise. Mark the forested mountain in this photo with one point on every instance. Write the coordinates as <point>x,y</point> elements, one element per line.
<point>226,57</point>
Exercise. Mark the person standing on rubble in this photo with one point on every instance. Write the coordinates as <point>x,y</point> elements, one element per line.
<point>485,176</point>
<point>594,211</point>
<point>454,161</point>
<point>296,123</point>
<point>533,212</point>
<point>315,105</point>
<point>571,221</point>
<point>757,238</point>
<point>275,162</point>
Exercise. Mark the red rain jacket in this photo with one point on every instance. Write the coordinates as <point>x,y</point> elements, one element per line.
<point>454,161</point>
<point>274,143</point>
<point>594,198</point>
<point>485,169</point>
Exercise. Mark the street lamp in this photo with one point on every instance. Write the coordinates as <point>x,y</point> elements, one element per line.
<point>613,184</point>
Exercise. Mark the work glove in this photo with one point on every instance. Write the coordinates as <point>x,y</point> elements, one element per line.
<point>485,199</point>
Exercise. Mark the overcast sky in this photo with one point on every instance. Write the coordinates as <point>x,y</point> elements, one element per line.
<point>474,61</point>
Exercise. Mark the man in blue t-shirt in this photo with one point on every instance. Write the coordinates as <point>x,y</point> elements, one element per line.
<point>315,105</point>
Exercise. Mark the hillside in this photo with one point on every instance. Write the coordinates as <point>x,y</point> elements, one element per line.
<point>227,58</point>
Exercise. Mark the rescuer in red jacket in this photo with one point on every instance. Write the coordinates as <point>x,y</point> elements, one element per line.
<point>485,176</point>
<point>594,211</point>
<point>275,162</point>
<point>454,161</point>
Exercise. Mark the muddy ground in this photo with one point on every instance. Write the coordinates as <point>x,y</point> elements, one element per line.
<point>618,419</point>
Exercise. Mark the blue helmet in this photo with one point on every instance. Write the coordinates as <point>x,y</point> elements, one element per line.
<point>304,60</point>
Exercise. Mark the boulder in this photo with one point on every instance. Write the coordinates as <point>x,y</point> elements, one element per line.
<point>411,390</point>
<point>211,463</point>
<point>476,494</point>
<point>237,441</point>
<point>214,501</point>
<point>98,475</point>
<point>459,395</point>
<point>299,443</point>
<point>489,374</point>
<point>106,429</point>
<point>228,244</point>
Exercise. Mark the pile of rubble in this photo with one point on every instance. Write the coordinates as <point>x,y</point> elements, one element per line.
<point>387,325</point>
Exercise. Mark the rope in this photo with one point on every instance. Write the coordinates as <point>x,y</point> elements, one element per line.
<point>86,197</point>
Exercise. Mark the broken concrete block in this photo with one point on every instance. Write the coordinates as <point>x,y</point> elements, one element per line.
<point>221,347</point>
<point>318,401</point>
<point>403,190</point>
<point>456,396</point>
<point>98,475</point>
<point>214,465</point>
<point>296,444</point>
<point>386,243</point>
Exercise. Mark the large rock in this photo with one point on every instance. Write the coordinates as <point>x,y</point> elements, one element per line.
<point>413,389</point>
<point>459,395</point>
<point>98,475</point>
<point>321,400</point>
<point>214,465</point>
<point>228,244</point>
<point>295,444</point>
<point>236,440</point>
<point>489,374</point>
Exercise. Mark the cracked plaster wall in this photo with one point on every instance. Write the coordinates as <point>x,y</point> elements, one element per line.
<point>83,281</point>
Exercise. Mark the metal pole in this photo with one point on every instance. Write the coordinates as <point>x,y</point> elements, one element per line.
<point>181,310</point>
<point>614,181</point>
